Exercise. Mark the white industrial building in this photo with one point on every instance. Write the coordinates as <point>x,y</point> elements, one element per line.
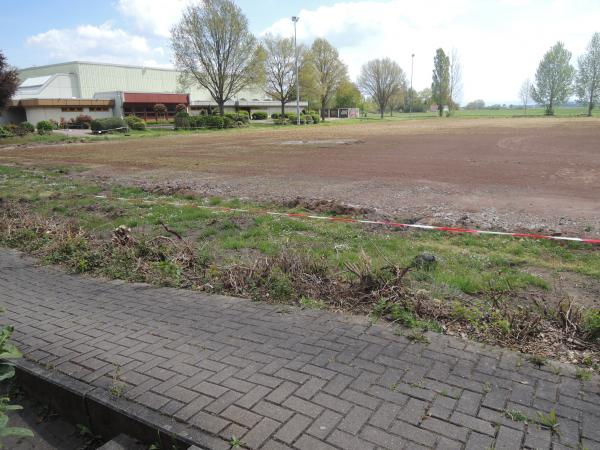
<point>67,90</point>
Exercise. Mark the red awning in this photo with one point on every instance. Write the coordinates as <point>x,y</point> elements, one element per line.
<point>136,97</point>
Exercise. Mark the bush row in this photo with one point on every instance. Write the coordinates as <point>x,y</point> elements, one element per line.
<point>13,129</point>
<point>259,115</point>
<point>109,124</point>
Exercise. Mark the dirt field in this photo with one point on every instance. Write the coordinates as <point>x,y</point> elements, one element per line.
<point>535,174</point>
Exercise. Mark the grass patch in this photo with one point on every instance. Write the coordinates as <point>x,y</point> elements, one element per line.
<point>469,287</point>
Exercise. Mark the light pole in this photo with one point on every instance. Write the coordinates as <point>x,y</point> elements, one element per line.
<point>412,66</point>
<point>295,19</point>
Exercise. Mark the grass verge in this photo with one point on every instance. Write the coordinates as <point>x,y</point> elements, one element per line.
<point>479,286</point>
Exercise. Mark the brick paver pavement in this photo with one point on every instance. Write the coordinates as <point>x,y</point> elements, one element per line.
<point>282,378</point>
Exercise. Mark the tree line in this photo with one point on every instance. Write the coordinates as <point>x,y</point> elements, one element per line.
<point>214,48</point>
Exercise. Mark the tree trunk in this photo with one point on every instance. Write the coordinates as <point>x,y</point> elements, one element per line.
<point>222,108</point>
<point>282,110</point>
<point>591,104</point>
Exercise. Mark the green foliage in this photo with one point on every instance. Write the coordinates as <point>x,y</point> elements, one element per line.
<point>260,115</point>
<point>583,374</point>
<point>515,415</point>
<point>280,286</point>
<point>5,132</point>
<point>549,420</point>
<point>24,128</point>
<point>228,122</point>
<point>135,123</point>
<point>587,84</point>
<point>537,360</point>
<point>241,117</point>
<point>7,352</point>
<point>214,122</point>
<point>44,127</point>
<point>553,78</point>
<point>275,116</point>
<point>309,303</point>
<point>182,120</point>
<point>109,124</point>
<point>347,95</point>
<point>440,86</point>
<point>591,323</point>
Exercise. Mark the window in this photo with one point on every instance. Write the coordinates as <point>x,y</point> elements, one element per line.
<point>71,109</point>
<point>98,108</point>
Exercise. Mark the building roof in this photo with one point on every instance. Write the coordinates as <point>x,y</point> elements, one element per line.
<point>129,66</point>
<point>139,97</point>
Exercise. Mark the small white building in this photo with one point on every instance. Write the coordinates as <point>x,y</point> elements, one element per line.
<point>67,90</point>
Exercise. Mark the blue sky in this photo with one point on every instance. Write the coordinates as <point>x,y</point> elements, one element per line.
<point>499,42</point>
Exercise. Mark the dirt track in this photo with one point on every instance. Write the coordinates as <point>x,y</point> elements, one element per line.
<point>494,173</point>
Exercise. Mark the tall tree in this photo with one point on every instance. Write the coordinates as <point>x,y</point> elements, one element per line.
<point>456,83</point>
<point>279,66</point>
<point>9,81</point>
<point>381,79</point>
<point>213,46</point>
<point>347,95</point>
<point>587,84</point>
<point>440,87</point>
<point>554,78</point>
<point>525,93</point>
<point>329,71</point>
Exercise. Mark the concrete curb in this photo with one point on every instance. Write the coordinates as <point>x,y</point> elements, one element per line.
<point>106,415</point>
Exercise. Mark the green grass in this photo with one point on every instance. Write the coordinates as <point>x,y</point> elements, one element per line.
<point>288,260</point>
<point>467,264</point>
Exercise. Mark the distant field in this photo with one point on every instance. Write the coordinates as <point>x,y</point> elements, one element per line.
<point>515,112</point>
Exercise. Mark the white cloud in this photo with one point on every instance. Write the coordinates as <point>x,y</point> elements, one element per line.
<point>102,43</point>
<point>153,16</point>
<point>500,42</point>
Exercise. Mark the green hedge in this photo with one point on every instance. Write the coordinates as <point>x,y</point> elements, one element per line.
<point>5,132</point>
<point>44,127</point>
<point>135,123</point>
<point>182,120</point>
<point>109,124</point>
<point>241,116</point>
<point>259,115</point>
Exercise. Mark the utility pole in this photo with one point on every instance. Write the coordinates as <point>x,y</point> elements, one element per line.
<point>295,19</point>
<point>412,66</point>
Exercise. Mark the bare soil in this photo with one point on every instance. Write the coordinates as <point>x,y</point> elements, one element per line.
<point>510,174</point>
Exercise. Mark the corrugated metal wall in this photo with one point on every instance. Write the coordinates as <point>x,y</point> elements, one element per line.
<point>93,78</point>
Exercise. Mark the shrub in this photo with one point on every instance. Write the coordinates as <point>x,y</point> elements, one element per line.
<point>260,115</point>
<point>275,116</point>
<point>135,123</point>
<point>228,122</point>
<point>240,116</point>
<point>591,323</point>
<point>283,121</point>
<point>83,121</point>
<point>315,117</point>
<point>44,127</point>
<point>215,122</point>
<point>198,121</point>
<point>307,119</point>
<point>292,118</point>
<point>24,128</point>
<point>182,120</point>
<point>5,132</point>
<point>109,124</point>
<point>181,107</point>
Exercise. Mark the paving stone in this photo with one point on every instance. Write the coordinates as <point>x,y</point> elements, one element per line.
<point>307,379</point>
<point>293,428</point>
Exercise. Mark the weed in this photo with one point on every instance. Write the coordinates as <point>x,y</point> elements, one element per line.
<point>537,360</point>
<point>234,442</point>
<point>591,323</point>
<point>309,303</point>
<point>487,387</point>
<point>416,336</point>
<point>555,370</point>
<point>117,387</point>
<point>549,421</point>
<point>515,415</point>
<point>583,374</point>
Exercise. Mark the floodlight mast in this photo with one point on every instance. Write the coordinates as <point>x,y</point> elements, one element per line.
<point>295,19</point>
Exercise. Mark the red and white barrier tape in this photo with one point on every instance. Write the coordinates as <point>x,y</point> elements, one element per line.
<point>371,222</point>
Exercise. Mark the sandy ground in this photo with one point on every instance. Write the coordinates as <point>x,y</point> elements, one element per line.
<point>524,174</point>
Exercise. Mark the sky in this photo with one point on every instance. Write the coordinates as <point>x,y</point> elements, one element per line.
<point>499,42</point>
